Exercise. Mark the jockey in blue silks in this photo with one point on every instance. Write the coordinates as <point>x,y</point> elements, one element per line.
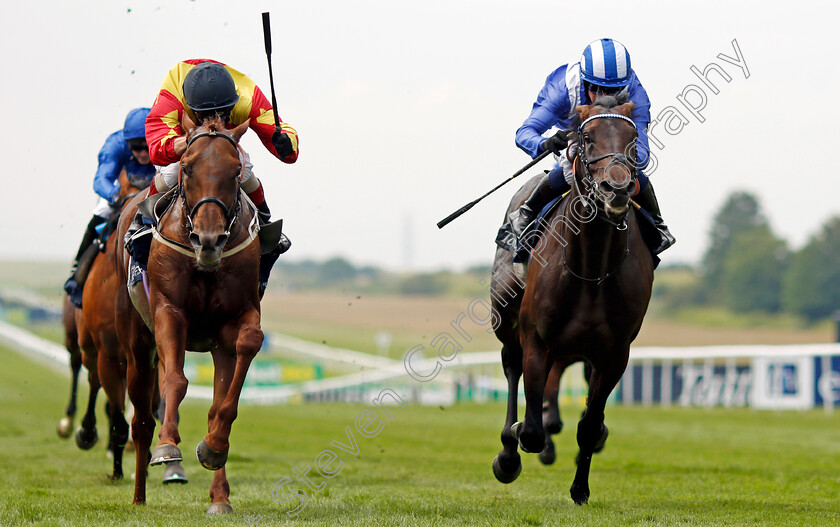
<point>604,69</point>
<point>123,149</point>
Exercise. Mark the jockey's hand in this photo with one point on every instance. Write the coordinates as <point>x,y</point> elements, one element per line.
<point>282,143</point>
<point>556,143</point>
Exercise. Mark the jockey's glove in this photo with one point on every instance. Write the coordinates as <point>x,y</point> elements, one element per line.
<point>556,143</point>
<point>282,143</point>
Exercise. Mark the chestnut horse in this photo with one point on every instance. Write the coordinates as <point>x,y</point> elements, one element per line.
<point>203,296</point>
<point>94,329</point>
<point>587,290</point>
<point>71,342</point>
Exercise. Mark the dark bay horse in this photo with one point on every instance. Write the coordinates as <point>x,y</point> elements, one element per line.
<point>203,296</point>
<point>587,290</point>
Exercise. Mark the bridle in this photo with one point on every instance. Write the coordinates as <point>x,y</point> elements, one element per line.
<point>594,191</point>
<point>230,218</point>
<point>253,227</point>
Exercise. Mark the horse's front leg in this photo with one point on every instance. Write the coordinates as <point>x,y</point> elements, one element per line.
<point>536,364</point>
<point>244,337</point>
<point>508,465</point>
<point>592,432</point>
<point>171,338</point>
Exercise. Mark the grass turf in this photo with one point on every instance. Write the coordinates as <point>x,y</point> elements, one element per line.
<point>428,466</point>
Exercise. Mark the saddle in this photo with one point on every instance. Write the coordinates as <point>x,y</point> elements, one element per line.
<point>522,251</point>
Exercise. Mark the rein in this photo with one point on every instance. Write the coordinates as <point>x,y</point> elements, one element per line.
<point>253,226</point>
<point>594,193</point>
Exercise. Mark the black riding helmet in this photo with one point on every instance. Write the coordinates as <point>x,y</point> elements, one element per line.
<point>208,87</point>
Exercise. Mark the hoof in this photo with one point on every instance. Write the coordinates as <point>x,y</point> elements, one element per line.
<point>220,508</point>
<point>516,432</point>
<point>553,427</point>
<point>65,428</point>
<point>507,476</point>
<point>174,473</point>
<point>580,494</point>
<point>165,454</point>
<point>548,455</point>
<point>85,439</point>
<point>116,476</point>
<point>209,458</point>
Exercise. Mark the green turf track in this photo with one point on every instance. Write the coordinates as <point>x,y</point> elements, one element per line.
<point>430,466</point>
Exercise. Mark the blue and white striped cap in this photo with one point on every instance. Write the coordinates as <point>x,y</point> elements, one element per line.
<point>605,62</point>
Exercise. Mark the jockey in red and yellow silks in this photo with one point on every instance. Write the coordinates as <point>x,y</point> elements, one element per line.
<point>195,90</point>
<point>164,122</point>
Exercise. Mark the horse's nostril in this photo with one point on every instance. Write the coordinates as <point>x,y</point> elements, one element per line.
<point>221,242</point>
<point>195,241</point>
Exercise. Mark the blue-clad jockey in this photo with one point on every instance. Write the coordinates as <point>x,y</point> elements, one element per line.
<point>123,149</point>
<point>604,69</point>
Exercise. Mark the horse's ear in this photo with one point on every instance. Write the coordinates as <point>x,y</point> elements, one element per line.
<point>240,130</point>
<point>584,112</point>
<point>625,109</point>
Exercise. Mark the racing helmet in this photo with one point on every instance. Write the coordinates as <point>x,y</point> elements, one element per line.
<point>606,62</point>
<point>209,86</point>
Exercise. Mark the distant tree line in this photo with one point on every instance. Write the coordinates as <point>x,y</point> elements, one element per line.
<point>340,274</point>
<point>749,268</point>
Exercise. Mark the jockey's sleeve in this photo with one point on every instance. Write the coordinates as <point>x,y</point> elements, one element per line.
<point>112,158</point>
<point>163,125</point>
<point>262,121</point>
<point>641,116</point>
<point>552,108</point>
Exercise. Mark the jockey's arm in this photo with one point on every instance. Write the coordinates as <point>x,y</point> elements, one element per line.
<point>551,108</point>
<point>641,116</point>
<point>111,162</point>
<point>164,131</point>
<point>262,122</point>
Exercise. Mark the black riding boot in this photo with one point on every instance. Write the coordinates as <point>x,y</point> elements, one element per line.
<point>647,200</point>
<point>74,284</point>
<point>527,212</point>
<point>269,255</point>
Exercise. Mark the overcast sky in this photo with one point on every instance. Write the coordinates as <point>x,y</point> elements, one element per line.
<point>407,110</point>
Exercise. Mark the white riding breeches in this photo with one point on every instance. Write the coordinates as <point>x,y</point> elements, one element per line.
<point>104,209</point>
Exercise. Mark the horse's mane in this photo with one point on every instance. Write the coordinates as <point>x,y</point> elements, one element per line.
<point>606,102</point>
<point>214,123</point>
<point>611,101</point>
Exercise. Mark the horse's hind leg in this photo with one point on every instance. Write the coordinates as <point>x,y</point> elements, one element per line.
<point>140,384</point>
<point>592,432</point>
<point>65,426</point>
<point>71,342</point>
<point>508,464</point>
<point>551,411</point>
<point>86,434</point>
<point>112,377</point>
